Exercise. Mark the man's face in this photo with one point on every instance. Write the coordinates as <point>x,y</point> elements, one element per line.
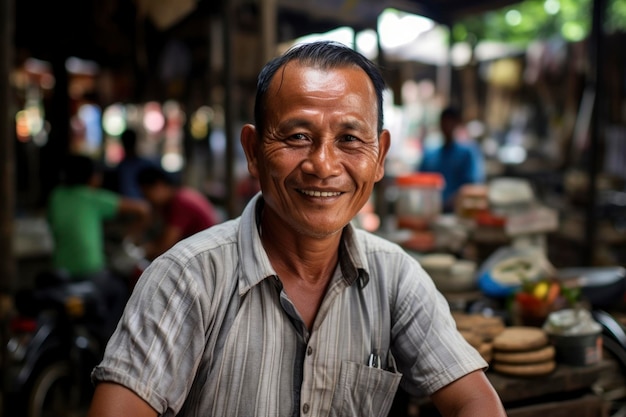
<point>320,154</point>
<point>156,194</point>
<point>448,125</point>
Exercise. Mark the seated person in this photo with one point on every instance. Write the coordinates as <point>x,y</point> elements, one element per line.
<point>183,211</point>
<point>77,210</point>
<point>289,310</point>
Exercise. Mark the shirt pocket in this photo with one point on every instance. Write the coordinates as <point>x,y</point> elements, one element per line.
<point>364,391</point>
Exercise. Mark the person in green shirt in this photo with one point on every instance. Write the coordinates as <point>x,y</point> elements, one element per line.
<point>77,209</point>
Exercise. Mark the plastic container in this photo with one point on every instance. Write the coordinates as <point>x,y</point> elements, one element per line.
<point>510,195</point>
<point>418,197</point>
<point>448,273</point>
<point>576,336</point>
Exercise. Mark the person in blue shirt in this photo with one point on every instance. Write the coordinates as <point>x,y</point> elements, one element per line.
<point>130,165</point>
<point>460,163</point>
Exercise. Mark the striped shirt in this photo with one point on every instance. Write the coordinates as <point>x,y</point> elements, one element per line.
<point>209,331</point>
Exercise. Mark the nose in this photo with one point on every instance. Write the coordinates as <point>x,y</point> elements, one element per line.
<point>323,160</point>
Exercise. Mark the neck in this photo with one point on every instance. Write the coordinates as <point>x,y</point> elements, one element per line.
<point>300,257</point>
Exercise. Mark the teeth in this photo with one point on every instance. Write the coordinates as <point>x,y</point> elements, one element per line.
<point>320,193</point>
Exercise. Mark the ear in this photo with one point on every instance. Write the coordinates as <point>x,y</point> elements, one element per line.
<point>249,142</point>
<point>384,141</point>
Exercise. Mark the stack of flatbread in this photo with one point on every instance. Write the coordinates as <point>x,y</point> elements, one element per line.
<point>479,331</point>
<point>523,351</point>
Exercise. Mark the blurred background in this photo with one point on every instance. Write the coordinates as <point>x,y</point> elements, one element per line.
<point>541,84</point>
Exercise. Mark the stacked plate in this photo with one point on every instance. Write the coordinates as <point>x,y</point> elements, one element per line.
<point>523,351</point>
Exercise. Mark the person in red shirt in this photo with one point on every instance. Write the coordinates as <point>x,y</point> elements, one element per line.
<point>183,210</point>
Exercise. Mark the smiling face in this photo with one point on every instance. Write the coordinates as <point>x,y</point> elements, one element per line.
<point>319,155</point>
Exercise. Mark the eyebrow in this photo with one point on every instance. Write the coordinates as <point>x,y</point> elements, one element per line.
<point>295,122</point>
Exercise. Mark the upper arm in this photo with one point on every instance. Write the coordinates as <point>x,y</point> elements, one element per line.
<point>132,206</point>
<point>470,395</point>
<point>114,400</point>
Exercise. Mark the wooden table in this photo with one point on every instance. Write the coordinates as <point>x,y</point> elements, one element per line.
<point>564,379</point>
<point>566,392</point>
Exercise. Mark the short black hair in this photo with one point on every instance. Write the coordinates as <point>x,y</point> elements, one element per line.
<point>129,140</point>
<point>451,112</point>
<point>320,54</point>
<point>152,175</point>
<point>78,169</point>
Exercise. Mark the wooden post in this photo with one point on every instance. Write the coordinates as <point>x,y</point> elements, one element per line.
<point>597,132</point>
<point>268,29</point>
<point>7,175</point>
<point>7,165</point>
<point>228,79</point>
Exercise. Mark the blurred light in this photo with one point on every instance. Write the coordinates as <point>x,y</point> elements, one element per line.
<point>41,138</point>
<point>153,119</point>
<point>512,154</point>
<point>513,17</point>
<point>75,65</point>
<point>36,66</point>
<point>21,126</point>
<point>398,28</point>
<point>113,152</point>
<point>461,54</point>
<point>552,6</point>
<point>171,108</point>
<point>573,31</point>
<point>476,128</point>
<point>133,115</point>
<point>47,81</point>
<point>344,35</point>
<point>114,120</point>
<point>200,121</point>
<point>367,43</point>
<point>172,162</point>
<point>91,117</point>
<point>34,117</point>
<point>174,120</point>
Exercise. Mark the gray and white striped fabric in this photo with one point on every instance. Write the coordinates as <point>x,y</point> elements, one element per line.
<point>208,331</point>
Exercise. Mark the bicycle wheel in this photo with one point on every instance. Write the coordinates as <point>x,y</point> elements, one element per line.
<point>54,395</point>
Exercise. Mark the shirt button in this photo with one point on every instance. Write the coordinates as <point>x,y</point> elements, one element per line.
<point>309,351</point>
<point>305,408</point>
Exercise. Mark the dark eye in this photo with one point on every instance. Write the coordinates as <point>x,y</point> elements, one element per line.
<point>297,139</point>
<point>349,138</point>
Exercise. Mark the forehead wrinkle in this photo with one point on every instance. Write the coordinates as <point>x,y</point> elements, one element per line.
<point>295,122</point>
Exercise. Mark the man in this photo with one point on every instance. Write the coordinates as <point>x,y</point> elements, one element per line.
<point>131,165</point>
<point>77,210</point>
<point>459,163</point>
<point>183,211</point>
<point>289,310</point>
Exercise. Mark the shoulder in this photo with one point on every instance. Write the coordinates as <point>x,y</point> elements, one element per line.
<point>189,195</point>
<point>197,265</point>
<point>86,193</point>
<point>465,148</point>
<point>210,242</point>
<point>387,259</point>
<point>372,243</point>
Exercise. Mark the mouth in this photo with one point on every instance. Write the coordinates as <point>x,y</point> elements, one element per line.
<point>314,193</point>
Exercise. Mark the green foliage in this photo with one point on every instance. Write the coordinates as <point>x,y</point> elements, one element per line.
<point>528,20</point>
<point>616,16</point>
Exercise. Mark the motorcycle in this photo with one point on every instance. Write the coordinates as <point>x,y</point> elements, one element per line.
<point>58,333</point>
<point>56,338</point>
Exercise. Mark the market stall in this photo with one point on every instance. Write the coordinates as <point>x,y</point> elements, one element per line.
<point>554,337</point>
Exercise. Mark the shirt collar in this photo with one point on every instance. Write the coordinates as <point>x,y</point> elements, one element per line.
<point>255,263</point>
